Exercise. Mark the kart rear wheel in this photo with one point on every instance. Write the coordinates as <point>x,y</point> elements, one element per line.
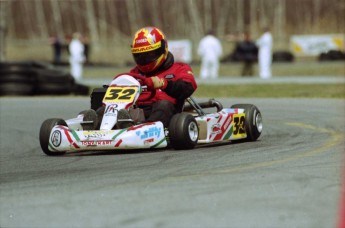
<point>253,121</point>
<point>183,131</point>
<point>45,130</point>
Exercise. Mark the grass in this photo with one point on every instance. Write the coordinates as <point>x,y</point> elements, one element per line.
<point>272,90</point>
<point>305,69</point>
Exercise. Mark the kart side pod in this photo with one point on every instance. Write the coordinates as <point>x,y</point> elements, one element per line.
<point>57,138</point>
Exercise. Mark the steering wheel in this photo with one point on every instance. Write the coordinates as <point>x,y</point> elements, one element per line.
<point>148,94</point>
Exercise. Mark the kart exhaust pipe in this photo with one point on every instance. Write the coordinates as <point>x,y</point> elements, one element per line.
<point>193,105</point>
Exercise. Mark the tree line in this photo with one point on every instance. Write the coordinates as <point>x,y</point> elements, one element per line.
<point>112,22</point>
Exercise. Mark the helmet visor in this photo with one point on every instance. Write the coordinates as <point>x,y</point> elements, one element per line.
<point>147,57</point>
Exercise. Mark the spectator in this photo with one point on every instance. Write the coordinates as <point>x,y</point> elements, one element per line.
<point>265,43</point>
<point>68,39</point>
<point>56,43</point>
<point>86,43</point>
<point>77,57</point>
<point>210,51</point>
<point>247,52</point>
<point>234,39</point>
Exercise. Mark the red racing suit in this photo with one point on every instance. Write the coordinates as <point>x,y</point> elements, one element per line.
<point>180,81</point>
<point>179,84</point>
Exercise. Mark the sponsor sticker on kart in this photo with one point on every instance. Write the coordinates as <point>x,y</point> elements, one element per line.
<point>151,132</point>
<point>96,134</point>
<point>96,143</point>
<point>239,129</point>
<point>56,138</point>
<point>216,129</point>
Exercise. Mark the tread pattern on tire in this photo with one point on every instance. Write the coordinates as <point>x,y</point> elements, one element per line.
<point>178,131</point>
<point>44,134</point>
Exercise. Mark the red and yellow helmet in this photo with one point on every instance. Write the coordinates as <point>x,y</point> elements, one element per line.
<point>149,49</point>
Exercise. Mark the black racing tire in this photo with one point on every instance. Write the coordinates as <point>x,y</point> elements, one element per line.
<point>89,115</point>
<point>40,65</point>
<point>332,55</point>
<point>23,65</point>
<point>100,114</point>
<point>82,90</point>
<point>15,66</point>
<point>53,76</point>
<point>53,89</point>
<point>17,76</point>
<point>323,57</point>
<point>53,82</point>
<point>16,83</point>
<point>253,121</point>
<point>16,89</point>
<point>45,131</point>
<point>183,131</point>
<point>283,56</point>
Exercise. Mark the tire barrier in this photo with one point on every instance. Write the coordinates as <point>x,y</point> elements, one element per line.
<point>332,55</point>
<point>277,56</point>
<point>283,56</point>
<point>37,78</point>
<point>17,81</point>
<point>53,82</point>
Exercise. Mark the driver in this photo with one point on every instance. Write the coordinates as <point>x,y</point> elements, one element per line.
<point>173,82</point>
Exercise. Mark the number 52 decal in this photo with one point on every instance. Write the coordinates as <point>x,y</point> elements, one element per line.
<point>239,128</point>
<point>120,94</point>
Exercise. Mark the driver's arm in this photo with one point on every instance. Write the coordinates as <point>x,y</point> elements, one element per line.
<point>183,84</point>
<point>179,89</point>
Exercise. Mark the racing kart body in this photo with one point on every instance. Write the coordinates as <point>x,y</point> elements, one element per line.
<point>90,131</point>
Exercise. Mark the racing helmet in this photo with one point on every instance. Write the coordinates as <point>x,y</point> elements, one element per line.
<point>149,49</point>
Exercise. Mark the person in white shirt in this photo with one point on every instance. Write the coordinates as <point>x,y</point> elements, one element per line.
<point>265,43</point>
<point>210,51</point>
<point>77,57</point>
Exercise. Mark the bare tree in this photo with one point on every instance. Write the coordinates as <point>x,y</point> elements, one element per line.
<point>43,31</point>
<point>224,21</point>
<point>195,25</point>
<point>91,19</point>
<point>132,17</point>
<point>4,9</point>
<point>113,23</point>
<point>102,19</point>
<point>207,15</point>
<point>279,19</point>
<point>239,15</point>
<point>116,20</point>
<point>57,18</point>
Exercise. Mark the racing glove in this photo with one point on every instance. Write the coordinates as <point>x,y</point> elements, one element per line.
<point>156,83</point>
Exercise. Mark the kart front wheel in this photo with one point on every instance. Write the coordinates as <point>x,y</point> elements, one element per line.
<point>253,120</point>
<point>45,130</point>
<point>183,131</point>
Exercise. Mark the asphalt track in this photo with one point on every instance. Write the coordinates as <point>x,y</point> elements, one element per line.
<point>290,177</point>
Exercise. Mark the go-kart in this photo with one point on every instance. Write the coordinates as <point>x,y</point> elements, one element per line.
<point>120,125</point>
